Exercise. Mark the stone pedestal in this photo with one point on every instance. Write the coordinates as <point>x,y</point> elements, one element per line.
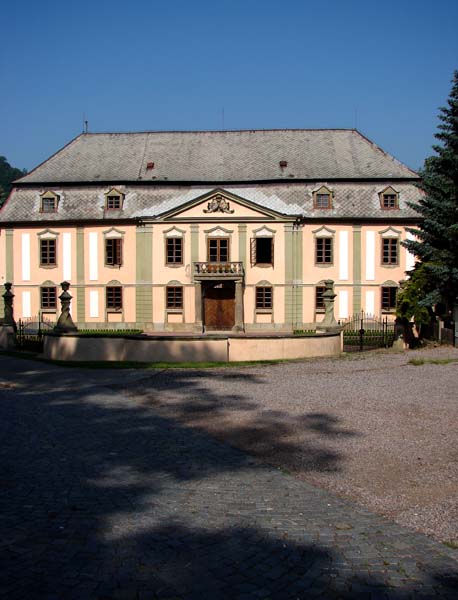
<point>329,322</point>
<point>65,323</point>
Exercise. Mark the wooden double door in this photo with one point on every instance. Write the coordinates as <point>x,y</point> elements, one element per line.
<point>219,305</point>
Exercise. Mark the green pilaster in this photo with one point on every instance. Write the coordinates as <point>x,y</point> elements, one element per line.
<point>357,269</point>
<point>144,274</point>
<point>242,244</point>
<point>194,244</point>
<point>81,292</point>
<point>289,274</point>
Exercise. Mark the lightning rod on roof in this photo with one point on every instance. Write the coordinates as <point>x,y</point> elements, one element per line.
<point>86,126</point>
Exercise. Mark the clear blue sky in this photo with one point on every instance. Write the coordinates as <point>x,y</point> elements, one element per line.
<point>145,64</point>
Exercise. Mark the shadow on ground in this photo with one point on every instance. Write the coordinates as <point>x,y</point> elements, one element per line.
<point>103,498</point>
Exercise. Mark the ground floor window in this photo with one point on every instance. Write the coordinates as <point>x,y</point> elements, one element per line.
<point>114,298</point>
<point>389,296</point>
<point>174,296</point>
<point>48,298</point>
<point>319,300</point>
<point>264,297</point>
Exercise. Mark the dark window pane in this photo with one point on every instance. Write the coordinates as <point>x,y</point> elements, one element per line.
<point>113,251</point>
<point>174,251</point>
<point>389,200</point>
<point>48,205</point>
<point>264,251</point>
<point>113,202</point>
<point>390,251</point>
<point>114,298</point>
<point>263,297</point>
<point>324,250</point>
<point>218,250</point>
<point>389,295</point>
<point>319,300</point>
<point>323,201</point>
<point>47,252</point>
<point>174,297</point>
<point>48,298</point>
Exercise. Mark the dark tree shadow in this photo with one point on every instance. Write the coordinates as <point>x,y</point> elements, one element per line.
<point>102,497</point>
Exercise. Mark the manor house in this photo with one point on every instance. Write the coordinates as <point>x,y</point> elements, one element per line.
<point>203,231</point>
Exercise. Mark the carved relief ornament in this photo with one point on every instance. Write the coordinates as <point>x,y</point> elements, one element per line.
<point>218,204</point>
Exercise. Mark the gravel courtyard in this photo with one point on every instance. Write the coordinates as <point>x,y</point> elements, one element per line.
<point>372,427</point>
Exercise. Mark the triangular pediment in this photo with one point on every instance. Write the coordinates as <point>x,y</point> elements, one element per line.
<point>220,205</point>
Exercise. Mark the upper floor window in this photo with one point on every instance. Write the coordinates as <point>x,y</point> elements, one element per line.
<point>114,298</point>
<point>48,202</point>
<point>264,297</point>
<point>48,252</point>
<point>323,250</point>
<point>389,199</point>
<point>113,200</point>
<point>390,251</point>
<point>322,198</point>
<point>262,248</point>
<point>48,298</point>
<point>113,252</point>
<point>174,251</point>
<point>218,249</point>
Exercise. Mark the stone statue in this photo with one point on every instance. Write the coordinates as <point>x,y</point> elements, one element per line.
<point>65,322</point>
<point>8,296</point>
<point>329,322</point>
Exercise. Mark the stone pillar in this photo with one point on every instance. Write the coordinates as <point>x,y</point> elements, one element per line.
<point>65,323</point>
<point>239,321</point>
<point>8,297</point>
<point>329,322</point>
<point>198,325</point>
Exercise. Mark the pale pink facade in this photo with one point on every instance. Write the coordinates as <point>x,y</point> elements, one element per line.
<point>245,256</point>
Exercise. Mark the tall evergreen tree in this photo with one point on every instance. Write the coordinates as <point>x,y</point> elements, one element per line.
<point>436,243</point>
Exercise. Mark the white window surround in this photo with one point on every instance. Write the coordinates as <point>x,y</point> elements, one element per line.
<point>67,256</point>
<point>93,304</point>
<point>343,255</point>
<point>370,302</point>
<point>218,232</point>
<point>25,258</point>
<point>410,258</point>
<point>324,232</point>
<point>174,233</point>
<point>113,233</point>
<point>343,304</point>
<point>93,256</point>
<point>370,255</point>
<point>264,232</point>
<point>26,304</point>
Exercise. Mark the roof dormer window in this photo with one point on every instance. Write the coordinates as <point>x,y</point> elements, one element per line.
<point>322,198</point>
<point>389,199</point>
<point>48,202</point>
<point>113,200</point>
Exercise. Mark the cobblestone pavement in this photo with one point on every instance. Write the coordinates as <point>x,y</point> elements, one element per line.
<point>102,498</point>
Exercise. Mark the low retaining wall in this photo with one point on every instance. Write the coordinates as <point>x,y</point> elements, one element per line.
<point>189,349</point>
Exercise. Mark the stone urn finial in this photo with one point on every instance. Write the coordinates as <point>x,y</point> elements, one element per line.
<point>8,297</point>
<point>65,322</point>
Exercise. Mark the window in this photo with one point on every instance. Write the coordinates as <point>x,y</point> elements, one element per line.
<point>114,298</point>
<point>323,254</point>
<point>174,251</point>
<point>113,200</point>
<point>319,300</point>
<point>48,203</point>
<point>322,198</point>
<point>389,295</point>
<point>262,251</point>
<point>48,253</point>
<point>389,251</point>
<point>218,250</point>
<point>48,298</point>
<point>113,252</point>
<point>263,297</point>
<point>389,199</point>
<point>174,297</point>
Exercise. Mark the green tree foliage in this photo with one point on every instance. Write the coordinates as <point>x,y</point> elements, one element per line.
<point>410,304</point>
<point>436,246</point>
<point>7,175</point>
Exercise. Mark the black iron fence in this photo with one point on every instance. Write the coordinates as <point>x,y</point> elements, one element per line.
<point>30,332</point>
<point>365,332</point>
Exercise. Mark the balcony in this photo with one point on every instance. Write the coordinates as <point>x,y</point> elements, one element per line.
<point>218,269</point>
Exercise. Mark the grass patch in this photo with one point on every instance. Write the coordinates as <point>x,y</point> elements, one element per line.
<point>432,361</point>
<point>452,545</point>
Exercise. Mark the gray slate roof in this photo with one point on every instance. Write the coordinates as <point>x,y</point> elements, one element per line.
<point>350,201</point>
<point>219,156</point>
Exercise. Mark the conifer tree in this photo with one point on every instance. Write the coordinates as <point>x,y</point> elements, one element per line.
<point>436,243</point>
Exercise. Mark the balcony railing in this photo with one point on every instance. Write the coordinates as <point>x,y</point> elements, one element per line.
<point>223,269</point>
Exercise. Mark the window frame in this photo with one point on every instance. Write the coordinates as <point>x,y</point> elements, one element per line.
<point>48,263</point>
<point>319,300</point>
<point>174,298</point>
<point>112,194</point>
<point>264,298</point>
<point>389,192</point>
<point>47,196</point>
<point>323,191</point>
<point>254,251</point>
<point>114,304</point>
<point>49,307</point>
<point>391,252</point>
<point>116,259</point>
<point>320,254</point>
<point>391,307</point>
<point>219,240</point>
<point>173,242</point>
